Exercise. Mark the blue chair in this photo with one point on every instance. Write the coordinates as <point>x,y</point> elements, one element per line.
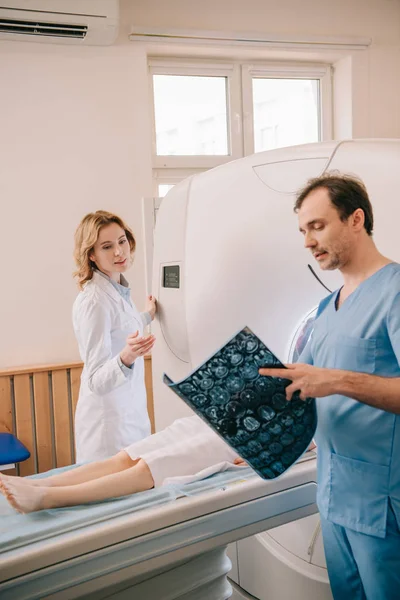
<point>12,450</point>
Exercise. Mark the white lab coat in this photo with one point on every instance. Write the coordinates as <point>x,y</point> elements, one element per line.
<point>112,409</point>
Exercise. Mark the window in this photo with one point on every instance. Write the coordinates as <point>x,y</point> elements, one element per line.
<point>196,114</point>
<point>206,114</point>
<point>285,105</point>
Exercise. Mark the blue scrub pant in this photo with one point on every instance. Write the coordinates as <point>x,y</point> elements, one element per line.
<point>360,566</point>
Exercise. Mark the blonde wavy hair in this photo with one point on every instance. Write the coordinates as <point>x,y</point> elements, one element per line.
<point>86,237</point>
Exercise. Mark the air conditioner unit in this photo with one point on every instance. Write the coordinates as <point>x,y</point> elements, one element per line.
<point>86,22</point>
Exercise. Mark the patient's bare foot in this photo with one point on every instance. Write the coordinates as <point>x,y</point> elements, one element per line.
<point>24,498</point>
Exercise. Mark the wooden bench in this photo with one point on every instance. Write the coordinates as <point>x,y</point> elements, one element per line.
<point>37,405</point>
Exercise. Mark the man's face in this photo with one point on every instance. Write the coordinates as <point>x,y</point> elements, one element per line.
<point>329,239</point>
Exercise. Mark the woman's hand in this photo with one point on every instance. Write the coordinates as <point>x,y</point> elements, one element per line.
<point>151,306</point>
<point>136,346</point>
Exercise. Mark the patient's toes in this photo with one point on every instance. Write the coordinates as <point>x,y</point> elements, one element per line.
<point>12,501</point>
<point>3,482</point>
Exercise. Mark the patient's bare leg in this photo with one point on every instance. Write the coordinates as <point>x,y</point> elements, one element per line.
<point>26,498</point>
<point>94,470</point>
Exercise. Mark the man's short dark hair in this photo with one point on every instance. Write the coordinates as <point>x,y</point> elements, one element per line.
<point>346,192</point>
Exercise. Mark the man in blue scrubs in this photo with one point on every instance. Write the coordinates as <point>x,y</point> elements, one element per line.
<point>353,360</point>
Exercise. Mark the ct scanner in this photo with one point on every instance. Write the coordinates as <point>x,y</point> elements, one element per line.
<point>227,253</point>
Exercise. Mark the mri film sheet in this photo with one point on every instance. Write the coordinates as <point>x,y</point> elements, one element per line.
<point>250,411</point>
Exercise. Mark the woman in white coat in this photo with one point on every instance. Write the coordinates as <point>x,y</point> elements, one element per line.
<point>112,409</point>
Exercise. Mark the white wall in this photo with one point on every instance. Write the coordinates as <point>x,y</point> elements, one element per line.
<point>75,137</point>
<point>341,17</point>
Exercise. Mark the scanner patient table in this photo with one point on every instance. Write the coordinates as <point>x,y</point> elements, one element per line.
<point>167,543</point>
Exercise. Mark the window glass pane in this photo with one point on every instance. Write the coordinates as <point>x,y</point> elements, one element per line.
<point>286,112</point>
<point>163,188</point>
<point>190,115</point>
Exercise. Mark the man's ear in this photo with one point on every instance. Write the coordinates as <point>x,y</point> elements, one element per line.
<point>358,219</point>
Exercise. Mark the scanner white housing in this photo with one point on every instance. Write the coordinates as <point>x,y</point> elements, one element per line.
<point>232,235</point>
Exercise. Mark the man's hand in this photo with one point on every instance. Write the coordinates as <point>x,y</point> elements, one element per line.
<point>314,382</point>
<point>311,382</point>
<point>240,462</point>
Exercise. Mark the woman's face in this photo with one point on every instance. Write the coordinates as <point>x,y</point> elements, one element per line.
<point>111,253</point>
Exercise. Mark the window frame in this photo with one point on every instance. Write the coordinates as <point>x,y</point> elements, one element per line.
<point>231,71</point>
<point>239,74</point>
<point>288,71</point>
<point>171,176</point>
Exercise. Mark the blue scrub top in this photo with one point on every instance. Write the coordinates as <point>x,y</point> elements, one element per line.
<point>358,445</point>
